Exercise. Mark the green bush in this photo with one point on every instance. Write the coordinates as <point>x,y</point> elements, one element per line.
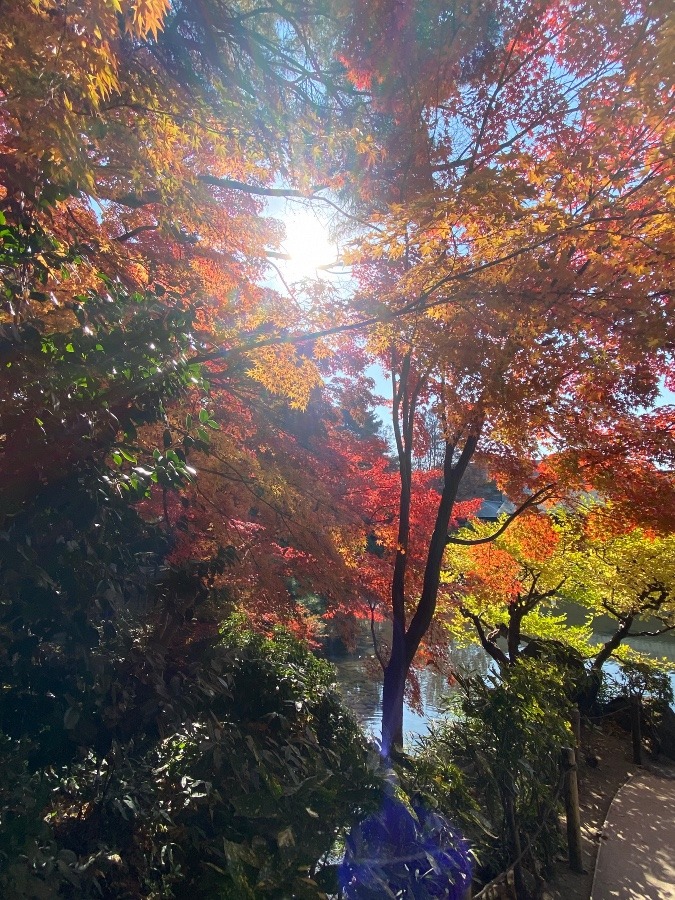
<point>244,800</point>
<point>148,751</point>
<point>151,751</point>
<point>494,766</point>
<point>405,850</point>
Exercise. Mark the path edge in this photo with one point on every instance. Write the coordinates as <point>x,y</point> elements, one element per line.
<point>631,776</point>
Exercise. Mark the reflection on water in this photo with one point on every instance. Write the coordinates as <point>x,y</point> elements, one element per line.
<point>362,689</point>
<point>657,646</point>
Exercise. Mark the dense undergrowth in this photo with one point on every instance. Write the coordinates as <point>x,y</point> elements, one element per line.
<point>149,750</point>
<point>153,747</point>
<point>243,798</point>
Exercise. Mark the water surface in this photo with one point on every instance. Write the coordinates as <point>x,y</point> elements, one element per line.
<point>362,689</point>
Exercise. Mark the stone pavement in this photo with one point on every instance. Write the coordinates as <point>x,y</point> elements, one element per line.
<point>636,858</point>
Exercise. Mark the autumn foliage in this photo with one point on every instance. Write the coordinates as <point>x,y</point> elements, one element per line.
<point>517,264</point>
<point>502,176</point>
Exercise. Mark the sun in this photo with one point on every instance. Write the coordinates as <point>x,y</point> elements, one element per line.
<point>308,245</point>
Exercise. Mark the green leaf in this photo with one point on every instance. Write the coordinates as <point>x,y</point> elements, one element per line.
<point>70,348</point>
<point>204,416</point>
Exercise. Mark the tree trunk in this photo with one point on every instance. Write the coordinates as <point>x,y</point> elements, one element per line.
<point>396,670</point>
<point>513,635</point>
<point>405,643</point>
<point>610,646</point>
<point>393,692</point>
<point>513,837</point>
<point>594,680</point>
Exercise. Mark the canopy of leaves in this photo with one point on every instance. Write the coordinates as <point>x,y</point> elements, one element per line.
<point>135,157</point>
<point>521,257</point>
<point>512,587</point>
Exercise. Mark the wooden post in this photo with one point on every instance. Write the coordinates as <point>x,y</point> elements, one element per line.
<point>636,728</point>
<point>571,790</point>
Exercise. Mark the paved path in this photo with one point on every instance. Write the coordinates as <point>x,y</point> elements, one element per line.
<point>636,859</point>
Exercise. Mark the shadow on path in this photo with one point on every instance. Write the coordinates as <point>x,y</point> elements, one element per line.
<point>636,859</point>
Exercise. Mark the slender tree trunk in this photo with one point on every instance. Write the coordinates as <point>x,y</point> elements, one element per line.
<point>396,670</point>
<point>513,836</point>
<point>513,635</point>
<point>405,643</point>
<point>426,607</point>
<point>393,692</point>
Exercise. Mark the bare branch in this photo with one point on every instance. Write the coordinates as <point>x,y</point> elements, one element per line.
<point>491,648</point>
<point>231,184</point>
<point>531,501</point>
<point>656,633</point>
<point>129,235</point>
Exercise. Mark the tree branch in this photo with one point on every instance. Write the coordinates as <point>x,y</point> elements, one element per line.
<point>531,501</point>
<point>487,645</point>
<point>656,633</point>
<point>231,184</point>
<point>611,645</point>
<point>129,235</point>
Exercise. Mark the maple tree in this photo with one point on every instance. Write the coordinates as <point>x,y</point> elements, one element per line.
<point>139,140</point>
<point>629,577</point>
<point>136,161</point>
<point>513,278</point>
<point>270,493</point>
<point>516,274</point>
<point>132,242</point>
<point>512,588</point>
<point>509,587</point>
<point>179,438</point>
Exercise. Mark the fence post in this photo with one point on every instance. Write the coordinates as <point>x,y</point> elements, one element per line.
<point>636,727</point>
<point>571,790</point>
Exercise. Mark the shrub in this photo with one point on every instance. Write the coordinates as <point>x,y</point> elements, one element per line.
<point>405,850</point>
<point>494,766</point>
<point>256,770</point>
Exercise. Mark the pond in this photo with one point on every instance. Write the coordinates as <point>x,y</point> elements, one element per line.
<point>361,685</point>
